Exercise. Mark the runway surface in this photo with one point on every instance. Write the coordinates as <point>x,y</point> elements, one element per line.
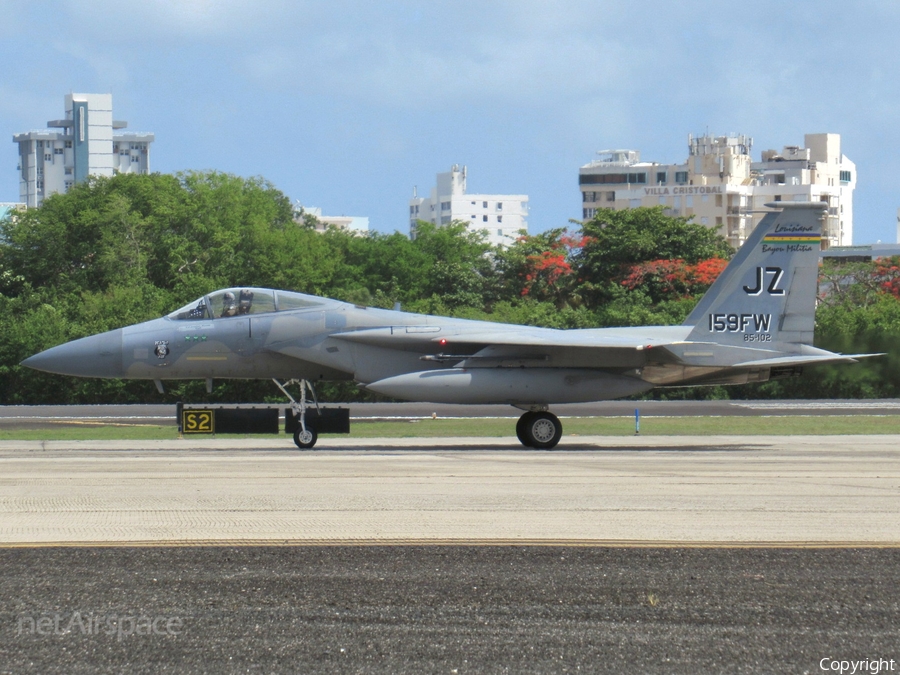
<point>626,490</point>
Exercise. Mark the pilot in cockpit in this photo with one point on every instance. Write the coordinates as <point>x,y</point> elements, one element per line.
<point>229,306</point>
<point>245,302</point>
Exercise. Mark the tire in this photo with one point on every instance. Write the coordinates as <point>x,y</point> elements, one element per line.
<point>305,440</point>
<point>543,430</point>
<point>520,429</point>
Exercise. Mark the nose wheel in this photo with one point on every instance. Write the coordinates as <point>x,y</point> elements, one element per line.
<point>540,430</point>
<point>305,438</point>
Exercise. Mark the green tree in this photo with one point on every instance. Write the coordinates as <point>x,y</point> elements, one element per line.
<point>120,250</point>
<point>618,240</point>
<point>460,270</point>
<point>445,267</point>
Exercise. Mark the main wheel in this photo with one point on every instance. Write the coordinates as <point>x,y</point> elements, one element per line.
<point>542,430</point>
<point>305,439</point>
<point>520,429</point>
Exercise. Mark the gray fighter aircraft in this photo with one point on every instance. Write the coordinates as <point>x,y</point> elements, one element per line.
<point>755,323</point>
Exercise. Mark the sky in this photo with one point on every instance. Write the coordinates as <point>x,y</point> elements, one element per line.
<point>347,105</point>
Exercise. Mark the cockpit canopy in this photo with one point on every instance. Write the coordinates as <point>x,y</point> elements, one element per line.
<point>241,301</point>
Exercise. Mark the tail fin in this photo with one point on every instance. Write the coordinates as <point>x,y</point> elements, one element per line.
<point>767,293</point>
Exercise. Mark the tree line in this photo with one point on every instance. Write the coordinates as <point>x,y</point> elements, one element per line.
<point>116,251</point>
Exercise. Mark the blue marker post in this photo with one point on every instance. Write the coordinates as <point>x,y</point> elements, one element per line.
<point>637,422</point>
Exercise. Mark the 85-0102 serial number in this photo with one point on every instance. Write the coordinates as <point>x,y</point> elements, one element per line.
<point>757,337</point>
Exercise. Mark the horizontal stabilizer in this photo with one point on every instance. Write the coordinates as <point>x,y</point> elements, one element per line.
<point>801,360</point>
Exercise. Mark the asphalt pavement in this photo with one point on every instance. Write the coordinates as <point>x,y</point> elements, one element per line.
<point>447,610</point>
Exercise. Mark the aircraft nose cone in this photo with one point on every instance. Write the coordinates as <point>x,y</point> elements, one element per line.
<point>94,356</point>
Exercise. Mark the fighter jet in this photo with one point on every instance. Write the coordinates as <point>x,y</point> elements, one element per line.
<point>754,324</point>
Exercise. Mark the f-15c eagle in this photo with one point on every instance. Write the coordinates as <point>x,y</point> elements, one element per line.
<point>755,323</point>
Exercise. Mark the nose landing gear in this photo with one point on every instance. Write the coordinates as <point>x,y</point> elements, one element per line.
<point>305,435</point>
<point>539,429</point>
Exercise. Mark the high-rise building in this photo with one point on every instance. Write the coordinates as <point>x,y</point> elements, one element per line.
<point>501,216</point>
<point>721,187</point>
<point>88,142</point>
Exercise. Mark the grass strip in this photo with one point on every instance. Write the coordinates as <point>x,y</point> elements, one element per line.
<point>786,425</point>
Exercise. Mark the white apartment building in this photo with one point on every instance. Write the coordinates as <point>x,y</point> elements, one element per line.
<point>502,216</point>
<point>720,186</point>
<point>87,142</point>
<point>358,225</point>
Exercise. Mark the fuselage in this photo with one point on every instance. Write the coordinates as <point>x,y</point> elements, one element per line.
<point>278,334</point>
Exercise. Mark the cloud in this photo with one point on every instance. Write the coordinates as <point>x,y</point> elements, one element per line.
<point>168,21</point>
<point>447,57</point>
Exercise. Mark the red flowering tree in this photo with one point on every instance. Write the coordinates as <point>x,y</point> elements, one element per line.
<point>859,284</point>
<point>542,266</point>
<point>887,275</point>
<point>673,279</point>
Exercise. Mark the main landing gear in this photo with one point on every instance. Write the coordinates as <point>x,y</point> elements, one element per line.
<point>539,429</point>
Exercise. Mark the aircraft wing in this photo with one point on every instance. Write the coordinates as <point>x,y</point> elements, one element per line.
<point>585,348</point>
<point>515,336</point>
<point>481,345</point>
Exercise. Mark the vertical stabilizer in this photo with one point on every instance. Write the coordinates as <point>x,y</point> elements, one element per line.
<point>767,293</point>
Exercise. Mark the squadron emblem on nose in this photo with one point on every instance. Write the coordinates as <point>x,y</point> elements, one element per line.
<point>162,349</point>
